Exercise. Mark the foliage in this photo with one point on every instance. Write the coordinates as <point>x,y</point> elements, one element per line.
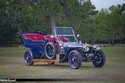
<point>36,15</point>
<point>111,24</point>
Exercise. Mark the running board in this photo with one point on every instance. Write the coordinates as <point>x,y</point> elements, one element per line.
<point>57,61</point>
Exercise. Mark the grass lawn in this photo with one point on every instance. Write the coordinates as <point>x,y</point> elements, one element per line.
<point>12,66</point>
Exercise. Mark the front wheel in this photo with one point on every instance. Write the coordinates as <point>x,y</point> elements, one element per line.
<point>75,59</point>
<point>28,58</point>
<point>99,59</point>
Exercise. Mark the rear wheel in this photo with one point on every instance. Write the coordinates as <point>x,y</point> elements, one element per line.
<point>50,50</point>
<point>75,59</point>
<point>99,59</point>
<point>28,58</point>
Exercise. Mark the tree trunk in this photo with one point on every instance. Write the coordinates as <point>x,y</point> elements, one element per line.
<point>53,23</point>
<point>112,36</point>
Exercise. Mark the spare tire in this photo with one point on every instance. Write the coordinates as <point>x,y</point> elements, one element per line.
<point>50,50</point>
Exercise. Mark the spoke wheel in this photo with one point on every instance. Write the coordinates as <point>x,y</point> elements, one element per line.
<point>28,58</point>
<point>50,50</point>
<point>75,59</point>
<point>99,59</point>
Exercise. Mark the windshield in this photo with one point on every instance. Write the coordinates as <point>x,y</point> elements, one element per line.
<point>64,31</point>
<point>65,34</point>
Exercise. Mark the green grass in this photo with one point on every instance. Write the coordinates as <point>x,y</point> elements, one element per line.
<point>115,53</point>
<point>12,66</point>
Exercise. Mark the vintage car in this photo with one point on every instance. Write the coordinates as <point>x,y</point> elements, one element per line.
<point>63,43</point>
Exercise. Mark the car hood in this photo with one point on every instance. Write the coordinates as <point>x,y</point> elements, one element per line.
<point>80,45</point>
<point>72,44</point>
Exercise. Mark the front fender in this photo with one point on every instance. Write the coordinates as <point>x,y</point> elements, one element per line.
<point>66,54</point>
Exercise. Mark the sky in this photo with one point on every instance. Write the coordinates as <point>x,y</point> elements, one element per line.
<point>99,4</point>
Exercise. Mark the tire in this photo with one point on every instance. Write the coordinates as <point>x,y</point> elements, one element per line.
<point>75,59</point>
<point>99,59</point>
<point>28,58</point>
<point>50,50</point>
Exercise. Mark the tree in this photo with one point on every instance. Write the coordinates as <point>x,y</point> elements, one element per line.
<point>115,20</point>
<point>110,24</point>
<point>102,31</point>
<point>40,15</point>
